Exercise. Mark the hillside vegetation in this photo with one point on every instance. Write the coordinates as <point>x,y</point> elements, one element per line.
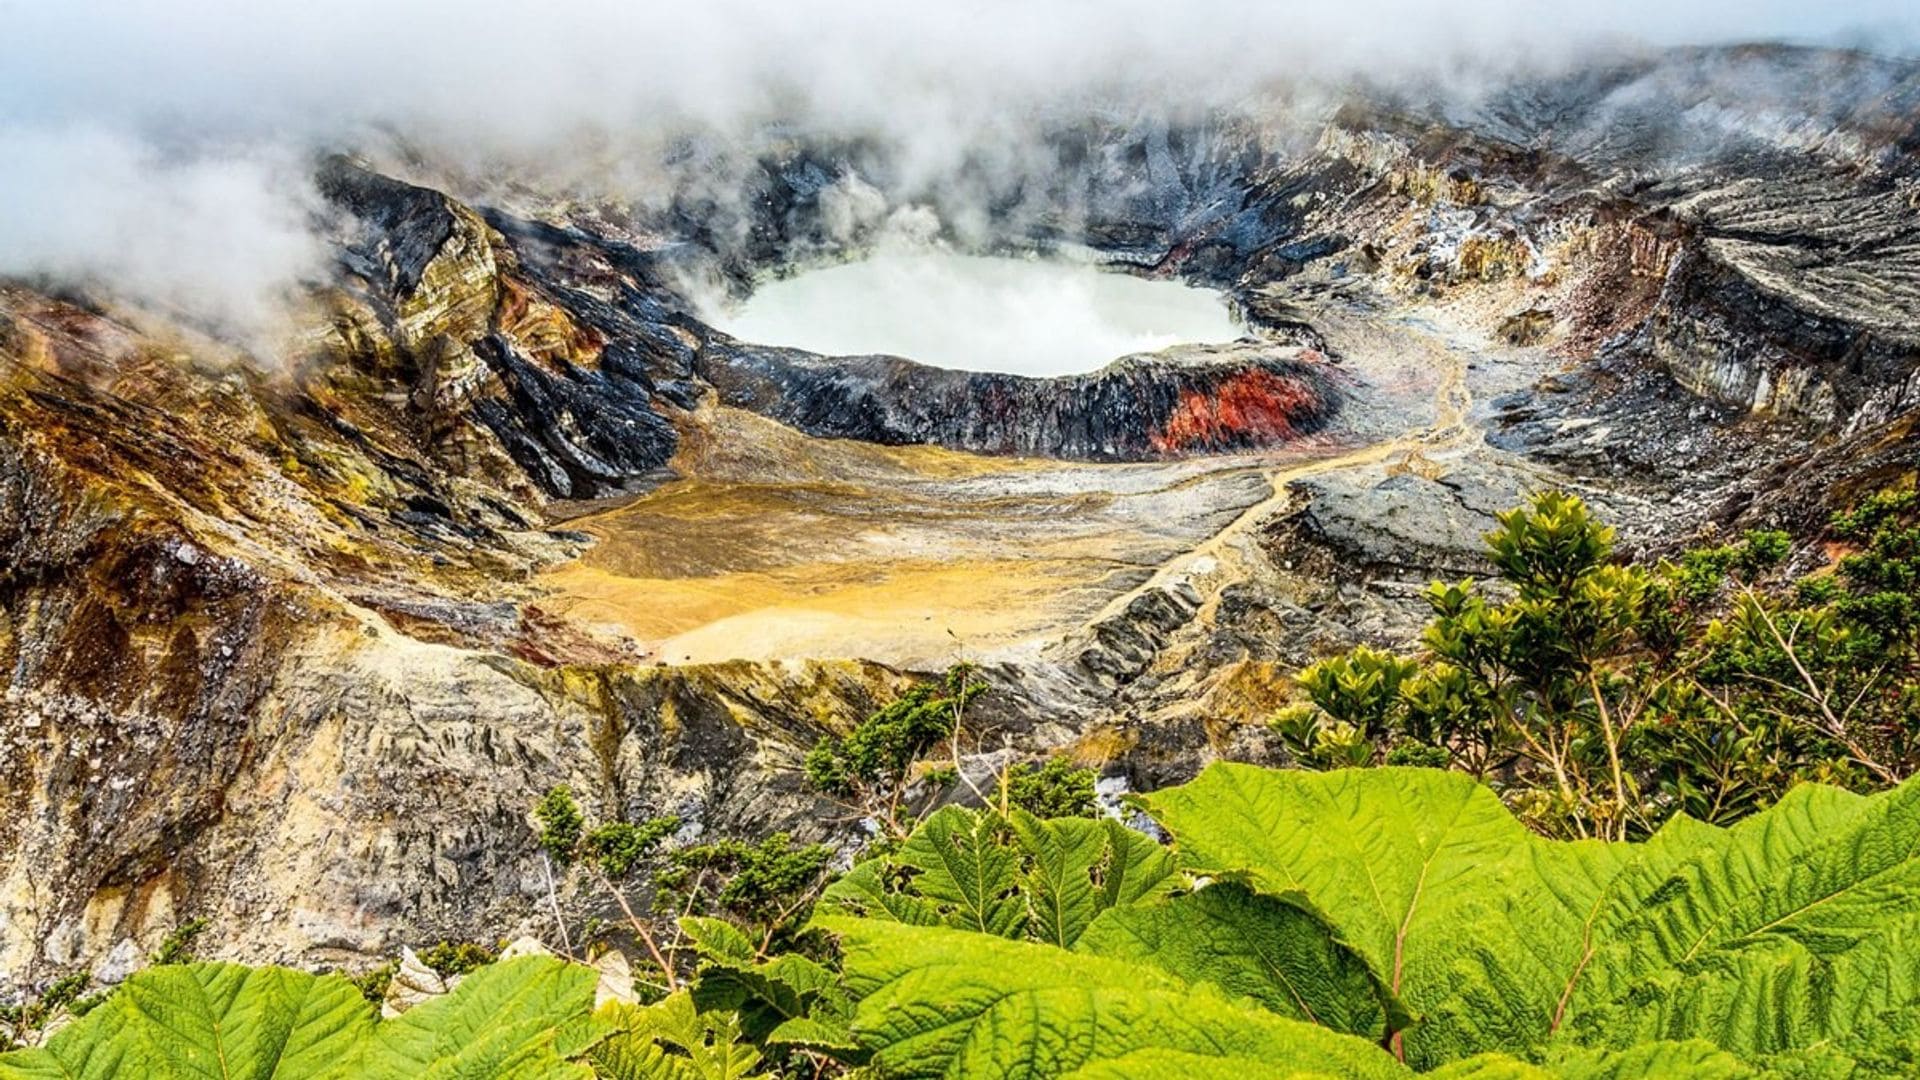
<point>1351,923</point>
<point>1674,837</point>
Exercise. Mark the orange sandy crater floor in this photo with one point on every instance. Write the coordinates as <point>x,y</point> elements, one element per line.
<point>774,545</point>
<point>795,547</point>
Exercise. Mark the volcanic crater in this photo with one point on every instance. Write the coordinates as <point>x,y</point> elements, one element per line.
<point>294,647</point>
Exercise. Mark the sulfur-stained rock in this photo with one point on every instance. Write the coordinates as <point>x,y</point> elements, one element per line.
<point>290,648</point>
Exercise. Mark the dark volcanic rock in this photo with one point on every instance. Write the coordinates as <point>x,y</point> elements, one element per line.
<point>1156,405</point>
<point>271,647</point>
<point>577,431</point>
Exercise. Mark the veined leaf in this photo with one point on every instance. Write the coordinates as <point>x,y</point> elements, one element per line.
<point>719,941</point>
<point>872,890</point>
<point>1529,957</point>
<point>962,869</point>
<point>935,1002</point>
<point>672,1040</point>
<point>1689,1060</point>
<point>1648,1061</point>
<point>1489,1067</point>
<point>1792,930</point>
<point>1424,873</point>
<point>831,1035</point>
<point>1389,852</point>
<point>511,1019</point>
<point>208,1020</point>
<point>1802,927</point>
<point>1017,876</point>
<point>789,999</point>
<point>1155,1064</point>
<point>1060,857</point>
<point>1260,947</point>
<point>1075,868</point>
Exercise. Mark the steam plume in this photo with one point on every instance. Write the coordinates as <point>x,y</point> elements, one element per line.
<point>157,149</point>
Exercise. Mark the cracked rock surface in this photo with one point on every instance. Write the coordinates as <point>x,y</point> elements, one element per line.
<point>293,646</point>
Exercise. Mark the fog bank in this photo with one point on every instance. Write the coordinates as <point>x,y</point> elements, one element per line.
<point>156,150</point>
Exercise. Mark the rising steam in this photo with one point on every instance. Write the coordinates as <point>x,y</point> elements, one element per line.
<point>158,151</point>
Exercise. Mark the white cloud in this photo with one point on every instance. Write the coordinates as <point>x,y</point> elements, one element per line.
<point>154,144</point>
<point>213,237</point>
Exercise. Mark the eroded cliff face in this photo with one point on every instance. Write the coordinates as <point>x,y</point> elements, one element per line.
<point>263,668</point>
<point>293,646</point>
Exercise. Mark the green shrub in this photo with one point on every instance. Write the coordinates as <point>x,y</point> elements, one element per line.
<point>618,848</point>
<point>561,825</point>
<point>177,946</point>
<point>1612,696</point>
<point>1056,789</point>
<point>881,749</point>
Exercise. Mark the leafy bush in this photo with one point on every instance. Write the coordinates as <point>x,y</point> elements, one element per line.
<point>1055,789</point>
<point>769,885</point>
<point>1379,922</point>
<point>1608,697</point>
<point>618,847</point>
<point>177,946</point>
<point>878,752</point>
<point>22,1024</point>
<point>561,825</point>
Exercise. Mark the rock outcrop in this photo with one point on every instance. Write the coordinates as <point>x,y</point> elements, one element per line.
<point>274,640</point>
<point>1196,400</point>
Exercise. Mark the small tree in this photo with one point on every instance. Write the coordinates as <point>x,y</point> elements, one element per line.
<point>871,765</point>
<point>1606,696</point>
<point>1055,789</point>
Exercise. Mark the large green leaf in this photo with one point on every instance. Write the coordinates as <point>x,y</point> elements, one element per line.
<point>1013,876</point>
<point>1072,869</point>
<point>963,874</point>
<point>1456,905</point>
<point>1648,1061</point>
<point>521,1018</point>
<point>1794,929</point>
<point>1158,1064</point>
<point>1802,927</point>
<point>208,1020</point>
<point>787,999</point>
<point>1261,947</point>
<point>1391,853</point>
<point>672,1040</point>
<point>1527,949</point>
<point>936,1002</point>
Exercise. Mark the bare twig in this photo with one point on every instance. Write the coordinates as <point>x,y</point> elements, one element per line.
<point>1836,727</point>
<point>553,897</point>
<point>679,932</point>
<point>1613,754</point>
<point>640,929</point>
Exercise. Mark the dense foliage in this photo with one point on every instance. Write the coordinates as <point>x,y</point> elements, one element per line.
<point>1633,854</point>
<point>1605,698</point>
<point>1053,788</point>
<point>1353,923</point>
<point>878,753</point>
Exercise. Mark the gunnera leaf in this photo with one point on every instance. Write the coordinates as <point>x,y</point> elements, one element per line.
<point>938,1002</point>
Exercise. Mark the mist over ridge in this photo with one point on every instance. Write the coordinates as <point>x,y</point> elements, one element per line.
<point>161,152</point>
